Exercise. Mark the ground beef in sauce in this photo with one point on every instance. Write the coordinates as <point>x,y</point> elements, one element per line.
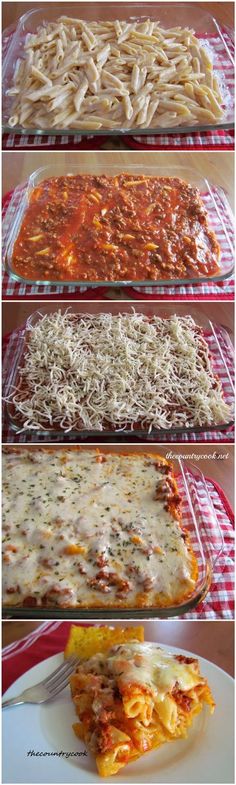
<point>91,228</point>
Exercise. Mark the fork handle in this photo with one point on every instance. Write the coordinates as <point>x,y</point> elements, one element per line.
<point>12,702</point>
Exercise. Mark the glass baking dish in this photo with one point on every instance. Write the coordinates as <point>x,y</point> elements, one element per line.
<point>216,335</point>
<point>168,14</point>
<point>218,220</point>
<point>199,517</point>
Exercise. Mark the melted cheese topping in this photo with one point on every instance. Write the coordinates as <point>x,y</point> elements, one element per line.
<point>146,665</point>
<point>79,530</point>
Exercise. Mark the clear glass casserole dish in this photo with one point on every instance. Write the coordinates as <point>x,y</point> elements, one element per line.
<point>198,517</point>
<point>217,337</point>
<point>168,14</point>
<point>218,220</point>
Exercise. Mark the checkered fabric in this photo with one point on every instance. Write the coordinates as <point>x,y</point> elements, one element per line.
<point>220,140</point>
<point>10,352</point>
<point>221,218</point>
<point>52,142</point>
<point>215,522</point>
<point>197,140</point>
<point>223,290</point>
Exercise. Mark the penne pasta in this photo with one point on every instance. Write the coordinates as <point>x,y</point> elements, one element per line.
<point>79,95</point>
<point>92,72</point>
<point>127,107</point>
<point>135,78</point>
<point>134,61</point>
<point>40,76</point>
<point>103,54</point>
<point>142,115</point>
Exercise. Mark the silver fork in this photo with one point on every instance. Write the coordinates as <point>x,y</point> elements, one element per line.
<point>47,689</point>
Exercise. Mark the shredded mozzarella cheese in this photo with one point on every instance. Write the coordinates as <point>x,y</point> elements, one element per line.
<point>102,371</point>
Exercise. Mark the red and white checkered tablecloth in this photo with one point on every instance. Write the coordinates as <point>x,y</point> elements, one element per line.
<point>207,140</point>
<point>53,142</point>
<point>212,509</point>
<point>197,140</point>
<point>223,290</point>
<point>10,350</point>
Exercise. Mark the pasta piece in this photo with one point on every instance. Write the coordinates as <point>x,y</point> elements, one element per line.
<point>80,94</point>
<point>128,107</point>
<point>91,71</point>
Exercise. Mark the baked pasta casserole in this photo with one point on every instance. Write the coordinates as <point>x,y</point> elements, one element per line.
<point>85,529</point>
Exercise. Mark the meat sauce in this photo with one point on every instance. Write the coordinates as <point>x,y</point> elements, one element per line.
<point>100,228</point>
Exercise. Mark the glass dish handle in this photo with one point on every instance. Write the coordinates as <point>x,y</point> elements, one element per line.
<point>7,379</point>
<point>229,30</point>
<point>224,197</point>
<point>220,332</point>
<point>215,537</point>
<point>33,319</point>
<point>18,194</point>
<point>225,331</point>
<point>209,534</point>
<point>8,33</point>
<point>228,334</point>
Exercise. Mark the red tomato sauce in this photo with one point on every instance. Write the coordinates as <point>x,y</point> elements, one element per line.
<point>128,227</point>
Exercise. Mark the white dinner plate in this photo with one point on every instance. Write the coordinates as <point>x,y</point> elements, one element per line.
<point>29,731</point>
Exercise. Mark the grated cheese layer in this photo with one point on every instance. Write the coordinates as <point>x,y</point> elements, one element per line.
<point>103,371</point>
